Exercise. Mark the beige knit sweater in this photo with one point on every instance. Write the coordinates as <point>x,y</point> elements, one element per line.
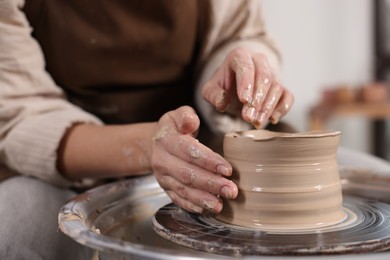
<point>34,112</point>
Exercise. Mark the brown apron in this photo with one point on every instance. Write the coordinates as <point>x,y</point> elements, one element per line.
<point>124,61</point>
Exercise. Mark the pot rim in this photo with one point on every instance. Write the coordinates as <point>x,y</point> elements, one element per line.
<point>265,135</point>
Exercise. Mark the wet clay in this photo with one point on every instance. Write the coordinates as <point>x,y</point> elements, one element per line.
<point>285,181</point>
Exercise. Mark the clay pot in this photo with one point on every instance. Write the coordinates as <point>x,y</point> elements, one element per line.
<point>285,181</point>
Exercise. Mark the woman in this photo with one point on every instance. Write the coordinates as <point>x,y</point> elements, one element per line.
<point>97,90</point>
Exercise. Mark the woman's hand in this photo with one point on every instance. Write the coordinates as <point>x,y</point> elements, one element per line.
<point>245,84</point>
<point>190,173</point>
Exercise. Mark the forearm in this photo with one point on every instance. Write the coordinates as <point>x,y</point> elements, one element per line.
<point>91,151</point>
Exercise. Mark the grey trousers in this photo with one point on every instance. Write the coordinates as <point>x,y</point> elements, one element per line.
<point>28,222</point>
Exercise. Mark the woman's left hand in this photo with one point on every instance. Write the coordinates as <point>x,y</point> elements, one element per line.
<point>245,84</point>
<point>192,174</point>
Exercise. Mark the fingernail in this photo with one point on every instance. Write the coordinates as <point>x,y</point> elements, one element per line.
<point>226,192</point>
<point>214,206</point>
<point>244,111</point>
<point>224,170</point>
<point>220,101</point>
<point>262,118</point>
<point>275,117</point>
<point>251,113</point>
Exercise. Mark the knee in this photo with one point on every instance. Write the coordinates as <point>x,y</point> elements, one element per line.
<point>28,213</point>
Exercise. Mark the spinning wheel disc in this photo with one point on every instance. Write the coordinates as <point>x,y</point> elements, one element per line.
<point>366,229</point>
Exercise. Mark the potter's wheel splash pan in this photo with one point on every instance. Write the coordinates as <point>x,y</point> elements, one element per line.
<point>116,220</point>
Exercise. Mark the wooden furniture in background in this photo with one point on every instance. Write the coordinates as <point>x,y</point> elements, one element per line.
<point>319,115</point>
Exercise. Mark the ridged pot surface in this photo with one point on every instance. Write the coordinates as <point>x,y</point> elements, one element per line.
<point>285,181</point>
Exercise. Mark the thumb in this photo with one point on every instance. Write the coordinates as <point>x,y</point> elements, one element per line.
<point>186,120</point>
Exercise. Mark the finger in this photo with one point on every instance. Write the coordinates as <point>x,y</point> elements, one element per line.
<point>284,105</point>
<point>215,91</point>
<point>185,204</point>
<point>185,119</point>
<point>192,151</point>
<point>182,120</point>
<point>263,80</point>
<point>184,194</point>
<point>269,104</point>
<point>235,78</point>
<point>240,61</point>
<point>199,178</point>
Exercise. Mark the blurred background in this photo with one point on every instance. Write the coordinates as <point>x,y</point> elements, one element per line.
<point>335,61</point>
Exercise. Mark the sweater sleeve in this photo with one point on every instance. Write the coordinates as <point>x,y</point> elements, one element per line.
<point>233,24</point>
<point>34,114</point>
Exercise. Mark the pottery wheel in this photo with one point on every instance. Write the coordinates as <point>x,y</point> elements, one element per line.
<point>366,229</point>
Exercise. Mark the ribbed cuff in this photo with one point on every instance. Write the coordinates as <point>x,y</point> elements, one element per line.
<point>31,147</point>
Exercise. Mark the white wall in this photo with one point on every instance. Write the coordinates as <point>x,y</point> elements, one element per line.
<point>323,42</point>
